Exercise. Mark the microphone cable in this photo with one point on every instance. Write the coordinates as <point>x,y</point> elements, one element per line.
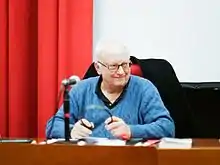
<point>60,93</point>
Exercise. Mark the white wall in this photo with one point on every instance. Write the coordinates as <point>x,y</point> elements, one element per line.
<point>184,32</point>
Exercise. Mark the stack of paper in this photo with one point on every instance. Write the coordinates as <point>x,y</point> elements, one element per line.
<point>51,141</point>
<point>90,141</point>
<point>175,143</point>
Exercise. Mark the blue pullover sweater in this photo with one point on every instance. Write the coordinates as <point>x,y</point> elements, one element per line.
<point>141,108</point>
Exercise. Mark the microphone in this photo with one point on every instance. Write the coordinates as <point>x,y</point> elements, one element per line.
<point>64,89</point>
<point>65,83</point>
<point>71,81</point>
<point>66,104</point>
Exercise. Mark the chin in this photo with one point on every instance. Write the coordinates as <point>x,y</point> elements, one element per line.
<point>120,82</point>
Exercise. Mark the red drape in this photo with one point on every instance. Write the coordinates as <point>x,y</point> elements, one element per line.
<point>41,42</point>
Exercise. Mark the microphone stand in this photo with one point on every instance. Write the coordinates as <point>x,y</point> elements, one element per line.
<point>66,113</point>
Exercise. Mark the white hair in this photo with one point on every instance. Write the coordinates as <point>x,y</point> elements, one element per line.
<point>109,48</point>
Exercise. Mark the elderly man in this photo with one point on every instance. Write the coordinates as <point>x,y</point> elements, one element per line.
<point>114,104</point>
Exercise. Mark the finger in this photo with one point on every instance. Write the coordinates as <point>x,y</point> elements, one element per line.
<point>83,133</point>
<point>84,130</point>
<point>114,125</point>
<point>86,123</point>
<point>112,119</point>
<point>80,131</point>
<point>116,132</point>
<point>93,126</point>
<point>80,128</point>
<point>108,120</point>
<point>77,135</point>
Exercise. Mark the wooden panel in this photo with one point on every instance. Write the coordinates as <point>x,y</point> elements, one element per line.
<point>199,156</point>
<point>204,152</point>
<point>27,154</point>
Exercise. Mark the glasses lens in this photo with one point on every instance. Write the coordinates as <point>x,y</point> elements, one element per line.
<point>125,65</point>
<point>113,67</point>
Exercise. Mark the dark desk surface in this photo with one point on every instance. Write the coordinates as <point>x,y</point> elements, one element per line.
<point>204,152</point>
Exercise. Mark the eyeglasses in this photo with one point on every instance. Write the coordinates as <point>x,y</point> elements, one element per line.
<point>115,67</point>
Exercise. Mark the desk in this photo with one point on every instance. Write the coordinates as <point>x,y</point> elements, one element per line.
<point>195,156</point>
<point>204,152</point>
<point>27,154</point>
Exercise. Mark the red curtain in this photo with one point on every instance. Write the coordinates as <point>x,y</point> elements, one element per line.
<point>41,43</point>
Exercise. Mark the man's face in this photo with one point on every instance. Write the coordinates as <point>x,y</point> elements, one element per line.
<point>115,70</point>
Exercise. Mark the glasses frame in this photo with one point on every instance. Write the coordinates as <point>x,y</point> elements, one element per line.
<point>128,65</point>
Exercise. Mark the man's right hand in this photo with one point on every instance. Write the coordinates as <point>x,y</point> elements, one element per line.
<point>80,131</point>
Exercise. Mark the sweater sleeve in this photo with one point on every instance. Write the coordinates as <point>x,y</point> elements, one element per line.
<point>55,125</point>
<point>157,122</point>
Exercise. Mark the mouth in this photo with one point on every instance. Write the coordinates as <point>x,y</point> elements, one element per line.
<point>119,77</point>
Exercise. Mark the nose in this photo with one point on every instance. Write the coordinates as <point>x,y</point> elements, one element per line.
<point>120,70</point>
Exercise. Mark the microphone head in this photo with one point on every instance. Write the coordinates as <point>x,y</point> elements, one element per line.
<point>74,78</point>
<point>71,81</point>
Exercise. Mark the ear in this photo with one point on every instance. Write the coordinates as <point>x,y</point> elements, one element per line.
<point>97,68</point>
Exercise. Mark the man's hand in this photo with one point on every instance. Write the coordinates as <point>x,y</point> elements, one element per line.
<point>80,131</point>
<point>118,128</point>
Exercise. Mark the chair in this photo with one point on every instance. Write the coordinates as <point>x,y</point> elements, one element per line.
<point>162,75</point>
<point>204,99</point>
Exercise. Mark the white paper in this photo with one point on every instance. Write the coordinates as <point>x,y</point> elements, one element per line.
<point>91,140</point>
<point>105,141</point>
<point>175,143</point>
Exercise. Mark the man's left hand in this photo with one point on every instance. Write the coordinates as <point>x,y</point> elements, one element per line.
<point>118,128</point>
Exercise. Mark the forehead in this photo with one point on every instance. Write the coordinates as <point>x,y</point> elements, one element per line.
<point>115,59</point>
